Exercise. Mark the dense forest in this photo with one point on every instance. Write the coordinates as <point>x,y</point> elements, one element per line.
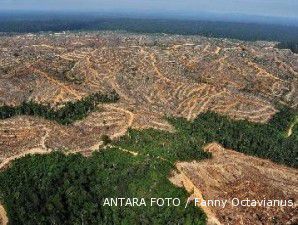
<point>69,113</point>
<point>59,189</point>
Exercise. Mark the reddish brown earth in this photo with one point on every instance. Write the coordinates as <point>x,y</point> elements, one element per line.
<point>229,175</point>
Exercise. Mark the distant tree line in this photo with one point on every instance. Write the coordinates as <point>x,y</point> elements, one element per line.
<point>292,45</point>
<point>235,30</point>
<point>69,113</point>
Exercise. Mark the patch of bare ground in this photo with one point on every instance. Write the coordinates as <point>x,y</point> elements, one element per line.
<point>229,175</point>
<point>3,217</point>
<point>290,130</point>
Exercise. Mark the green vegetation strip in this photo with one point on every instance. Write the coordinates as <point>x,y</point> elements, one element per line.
<point>59,189</point>
<point>69,113</point>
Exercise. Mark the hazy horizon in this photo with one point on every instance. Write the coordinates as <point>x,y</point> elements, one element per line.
<point>191,8</point>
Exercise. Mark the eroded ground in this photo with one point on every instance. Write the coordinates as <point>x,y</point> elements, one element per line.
<point>229,175</point>
<point>155,76</point>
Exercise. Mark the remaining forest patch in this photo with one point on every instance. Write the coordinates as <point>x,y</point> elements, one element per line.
<point>269,141</point>
<point>69,113</point>
<point>59,189</point>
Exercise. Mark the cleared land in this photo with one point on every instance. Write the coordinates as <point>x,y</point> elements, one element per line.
<point>231,175</point>
<point>3,217</point>
<point>155,76</point>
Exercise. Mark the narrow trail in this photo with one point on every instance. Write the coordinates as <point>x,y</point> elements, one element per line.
<point>217,51</point>
<point>115,86</point>
<point>41,149</point>
<point>31,152</point>
<point>134,153</point>
<point>262,71</point>
<point>290,131</point>
<point>128,124</point>
<point>130,120</point>
<point>206,48</point>
<point>44,138</point>
<point>181,180</point>
<point>160,75</point>
<point>62,86</point>
<point>3,216</point>
<point>123,150</point>
<point>48,46</point>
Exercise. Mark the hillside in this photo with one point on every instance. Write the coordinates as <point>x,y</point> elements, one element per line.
<point>73,92</point>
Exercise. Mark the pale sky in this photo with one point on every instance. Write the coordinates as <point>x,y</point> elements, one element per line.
<point>284,8</point>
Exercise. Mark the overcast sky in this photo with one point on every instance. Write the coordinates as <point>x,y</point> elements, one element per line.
<point>285,8</point>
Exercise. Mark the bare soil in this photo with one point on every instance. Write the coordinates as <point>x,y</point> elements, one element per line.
<point>229,175</point>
